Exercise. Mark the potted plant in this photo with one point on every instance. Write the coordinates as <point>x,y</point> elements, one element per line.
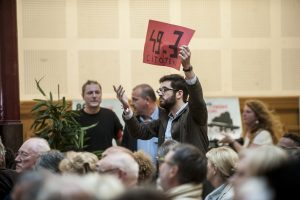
<point>56,122</point>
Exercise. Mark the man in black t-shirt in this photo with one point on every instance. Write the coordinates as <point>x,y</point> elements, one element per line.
<point>108,124</point>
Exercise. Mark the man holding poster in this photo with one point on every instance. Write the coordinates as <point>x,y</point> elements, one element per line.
<point>185,115</point>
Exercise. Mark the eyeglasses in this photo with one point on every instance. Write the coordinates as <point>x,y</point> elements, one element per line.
<point>163,90</point>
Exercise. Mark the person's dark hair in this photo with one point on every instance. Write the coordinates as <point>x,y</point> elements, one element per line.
<point>50,161</point>
<point>177,83</point>
<point>89,82</point>
<point>147,91</point>
<point>293,136</point>
<point>165,147</point>
<point>143,193</point>
<point>191,162</point>
<point>10,159</point>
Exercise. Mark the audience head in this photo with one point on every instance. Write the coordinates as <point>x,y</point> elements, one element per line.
<point>176,84</point>
<point>263,118</point>
<point>78,162</point>
<point>183,164</point>
<point>92,95</point>
<point>50,161</point>
<point>29,152</point>
<point>143,193</point>
<point>143,99</point>
<point>257,162</point>
<point>146,168</point>
<point>165,148</point>
<point>116,149</point>
<point>221,162</point>
<point>89,82</point>
<point>121,165</point>
<point>64,188</point>
<point>29,184</point>
<point>284,180</point>
<point>289,140</point>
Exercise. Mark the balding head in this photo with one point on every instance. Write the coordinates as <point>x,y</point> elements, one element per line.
<point>122,165</point>
<point>29,152</point>
<point>116,149</point>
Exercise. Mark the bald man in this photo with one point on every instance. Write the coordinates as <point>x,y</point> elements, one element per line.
<point>29,152</point>
<point>121,165</point>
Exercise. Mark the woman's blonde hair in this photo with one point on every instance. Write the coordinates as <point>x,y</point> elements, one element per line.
<point>78,162</point>
<point>224,159</point>
<point>266,119</point>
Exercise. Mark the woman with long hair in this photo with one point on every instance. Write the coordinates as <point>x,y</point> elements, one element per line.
<point>261,126</point>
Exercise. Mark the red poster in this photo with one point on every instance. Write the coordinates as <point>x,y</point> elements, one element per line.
<point>162,43</point>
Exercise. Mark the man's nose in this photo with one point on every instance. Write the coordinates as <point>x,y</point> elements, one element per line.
<point>18,159</point>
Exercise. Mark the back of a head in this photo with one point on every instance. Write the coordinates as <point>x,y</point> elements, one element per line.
<point>262,159</point>
<point>66,187</point>
<point>165,148</point>
<point>191,162</point>
<point>78,162</point>
<point>146,167</point>
<point>116,149</point>
<point>50,161</point>
<point>29,184</point>
<point>224,159</point>
<point>122,162</point>
<point>143,193</point>
<point>294,137</point>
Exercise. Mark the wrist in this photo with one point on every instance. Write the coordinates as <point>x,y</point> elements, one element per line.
<point>188,69</point>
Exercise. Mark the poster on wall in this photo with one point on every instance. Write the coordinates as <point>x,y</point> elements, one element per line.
<point>113,104</point>
<point>223,117</point>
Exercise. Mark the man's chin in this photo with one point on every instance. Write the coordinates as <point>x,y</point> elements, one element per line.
<point>94,105</point>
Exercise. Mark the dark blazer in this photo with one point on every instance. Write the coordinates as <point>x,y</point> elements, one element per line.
<point>189,127</point>
<point>128,140</point>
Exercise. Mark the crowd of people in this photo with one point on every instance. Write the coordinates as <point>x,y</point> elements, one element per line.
<point>162,153</point>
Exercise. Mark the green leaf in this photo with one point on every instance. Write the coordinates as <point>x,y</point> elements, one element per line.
<point>39,87</point>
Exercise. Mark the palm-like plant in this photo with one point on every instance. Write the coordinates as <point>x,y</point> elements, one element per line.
<point>56,122</point>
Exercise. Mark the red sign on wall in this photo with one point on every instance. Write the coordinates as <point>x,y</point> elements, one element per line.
<point>162,43</point>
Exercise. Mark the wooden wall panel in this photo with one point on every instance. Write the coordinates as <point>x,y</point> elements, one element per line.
<point>286,107</point>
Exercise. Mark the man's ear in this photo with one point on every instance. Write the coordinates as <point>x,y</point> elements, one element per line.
<point>121,174</point>
<point>147,99</point>
<point>179,94</point>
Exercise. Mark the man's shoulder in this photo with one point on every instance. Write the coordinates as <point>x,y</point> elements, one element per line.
<point>106,110</point>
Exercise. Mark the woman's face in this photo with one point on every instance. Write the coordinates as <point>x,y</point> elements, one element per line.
<point>248,115</point>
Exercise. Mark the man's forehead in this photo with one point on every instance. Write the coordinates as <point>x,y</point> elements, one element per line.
<point>92,87</point>
<point>165,84</point>
<point>27,147</point>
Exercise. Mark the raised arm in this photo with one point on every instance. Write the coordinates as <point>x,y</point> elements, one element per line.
<point>196,102</point>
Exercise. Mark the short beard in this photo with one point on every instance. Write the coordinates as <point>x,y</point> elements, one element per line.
<point>168,103</point>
